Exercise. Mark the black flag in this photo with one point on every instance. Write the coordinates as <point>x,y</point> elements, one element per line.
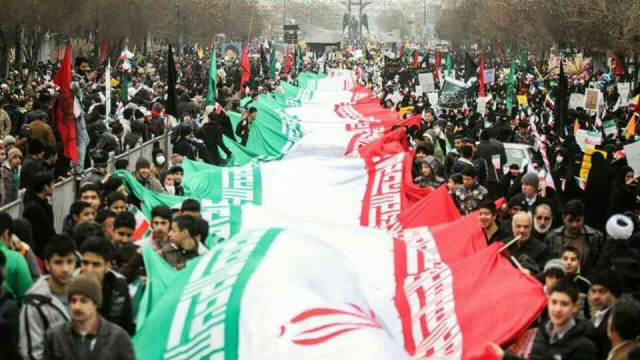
<point>470,68</point>
<point>264,62</point>
<point>172,96</point>
<point>561,103</point>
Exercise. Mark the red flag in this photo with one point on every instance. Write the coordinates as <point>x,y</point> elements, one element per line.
<point>392,143</point>
<point>63,111</point>
<point>246,68</point>
<point>436,70</point>
<point>420,214</point>
<point>481,91</point>
<point>618,68</point>
<point>287,62</point>
<point>103,49</point>
<point>416,57</point>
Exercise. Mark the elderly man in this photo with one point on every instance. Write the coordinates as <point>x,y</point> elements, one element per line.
<point>529,251</point>
<point>542,220</point>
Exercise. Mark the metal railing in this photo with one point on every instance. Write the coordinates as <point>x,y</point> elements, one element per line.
<point>66,191</point>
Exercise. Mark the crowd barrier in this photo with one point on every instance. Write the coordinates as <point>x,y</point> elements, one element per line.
<point>66,191</point>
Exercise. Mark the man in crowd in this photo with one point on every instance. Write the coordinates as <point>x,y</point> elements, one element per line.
<point>97,256</point>
<point>143,175</point>
<point>80,211</point>
<point>470,194</point>
<point>39,212</point>
<point>531,252</point>
<point>18,279</point>
<point>606,289</point>
<point>183,245</point>
<point>575,233</point>
<point>623,329</point>
<point>542,220</point>
<point>487,214</point>
<point>32,164</point>
<point>88,335</point>
<point>46,305</point>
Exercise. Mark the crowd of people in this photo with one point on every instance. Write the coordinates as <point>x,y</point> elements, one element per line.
<point>68,294</point>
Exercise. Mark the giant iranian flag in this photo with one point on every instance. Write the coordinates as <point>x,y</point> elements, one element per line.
<point>321,247</point>
<point>302,289</point>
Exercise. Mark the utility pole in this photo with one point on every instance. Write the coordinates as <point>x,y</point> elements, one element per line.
<point>284,13</point>
<point>362,6</point>
<point>424,23</point>
<point>349,34</point>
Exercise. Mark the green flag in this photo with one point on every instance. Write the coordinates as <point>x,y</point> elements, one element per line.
<point>449,64</point>
<point>124,88</point>
<point>511,87</point>
<point>213,76</point>
<point>272,64</point>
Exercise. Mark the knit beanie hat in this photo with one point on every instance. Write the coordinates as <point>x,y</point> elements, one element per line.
<point>9,140</point>
<point>86,285</point>
<point>530,178</point>
<point>609,279</point>
<point>619,227</point>
<point>555,264</point>
<point>13,152</point>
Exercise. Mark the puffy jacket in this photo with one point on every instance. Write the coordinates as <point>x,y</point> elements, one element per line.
<point>30,168</point>
<point>111,343</point>
<point>41,311</point>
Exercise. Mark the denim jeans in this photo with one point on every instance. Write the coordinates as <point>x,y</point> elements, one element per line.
<point>82,139</point>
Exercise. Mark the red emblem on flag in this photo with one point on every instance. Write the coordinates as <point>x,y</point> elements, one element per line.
<point>318,325</point>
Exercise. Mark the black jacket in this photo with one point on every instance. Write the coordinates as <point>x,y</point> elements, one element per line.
<point>8,327</point>
<point>211,133</point>
<point>184,148</point>
<point>576,344</point>
<point>534,249</point>
<point>40,214</point>
<point>242,131</point>
<point>116,302</point>
<point>601,338</point>
<point>112,343</point>
<point>30,168</point>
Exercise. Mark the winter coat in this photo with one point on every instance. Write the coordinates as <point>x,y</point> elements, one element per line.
<point>116,301</point>
<point>593,246</point>
<point>242,131</point>
<point>18,279</point>
<point>534,249</point>
<point>112,343</point>
<point>41,311</point>
<point>574,345</point>
<point>30,168</point>
<point>40,214</point>
<point>10,190</point>
<point>9,327</point>
<point>5,123</point>
<point>42,131</point>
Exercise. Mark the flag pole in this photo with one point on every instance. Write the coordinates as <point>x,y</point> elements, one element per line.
<point>510,243</point>
<point>251,24</point>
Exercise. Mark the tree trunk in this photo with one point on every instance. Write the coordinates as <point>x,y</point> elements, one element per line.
<point>4,61</point>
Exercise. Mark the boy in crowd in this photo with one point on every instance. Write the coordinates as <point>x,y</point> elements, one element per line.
<point>571,259</point>
<point>46,304</point>
<point>563,336</point>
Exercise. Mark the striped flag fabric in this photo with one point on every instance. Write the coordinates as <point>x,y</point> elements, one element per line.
<point>348,263</point>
